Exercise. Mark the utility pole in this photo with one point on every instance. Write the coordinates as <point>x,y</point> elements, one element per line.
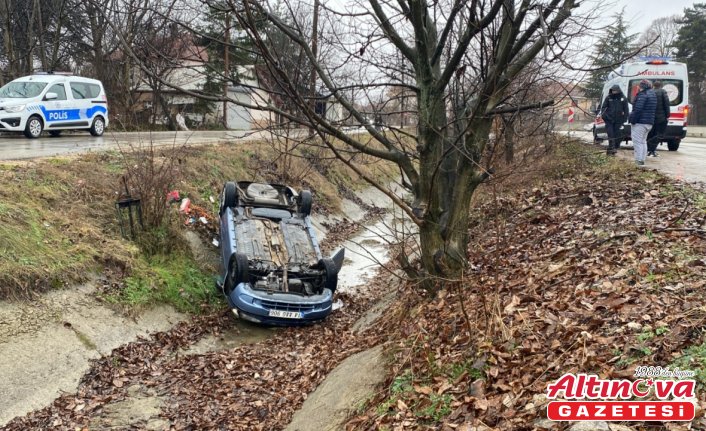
<point>226,69</point>
<point>314,51</point>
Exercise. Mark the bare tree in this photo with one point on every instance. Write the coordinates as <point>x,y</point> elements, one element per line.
<point>660,37</point>
<point>462,57</point>
<point>459,59</point>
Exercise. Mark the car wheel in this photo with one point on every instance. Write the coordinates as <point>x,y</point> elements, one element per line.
<point>34,127</point>
<point>330,273</point>
<point>237,271</point>
<point>229,196</point>
<point>98,126</point>
<point>673,144</point>
<point>55,133</point>
<point>305,201</point>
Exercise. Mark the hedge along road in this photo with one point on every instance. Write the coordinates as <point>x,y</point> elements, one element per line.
<point>17,147</point>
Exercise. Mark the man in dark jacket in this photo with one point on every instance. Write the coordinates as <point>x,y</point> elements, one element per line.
<point>661,117</point>
<point>642,118</point>
<point>614,111</point>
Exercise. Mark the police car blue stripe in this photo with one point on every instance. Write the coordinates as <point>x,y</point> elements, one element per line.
<point>52,115</point>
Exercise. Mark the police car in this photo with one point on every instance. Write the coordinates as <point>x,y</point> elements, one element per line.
<point>53,102</point>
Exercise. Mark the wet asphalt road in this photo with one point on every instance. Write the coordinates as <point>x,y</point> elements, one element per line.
<point>688,164</point>
<point>17,147</point>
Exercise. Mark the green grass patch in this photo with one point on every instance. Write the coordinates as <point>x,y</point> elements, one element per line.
<point>36,252</point>
<point>431,408</point>
<point>400,388</point>
<point>173,280</point>
<point>438,408</point>
<point>456,370</point>
<point>402,384</point>
<point>693,359</point>
<point>59,222</point>
<point>58,161</point>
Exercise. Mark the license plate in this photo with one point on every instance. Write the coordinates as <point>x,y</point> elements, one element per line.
<point>286,314</point>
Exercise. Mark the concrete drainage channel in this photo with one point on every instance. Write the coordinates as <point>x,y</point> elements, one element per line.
<point>46,346</point>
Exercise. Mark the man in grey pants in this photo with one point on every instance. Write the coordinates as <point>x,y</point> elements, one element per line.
<point>642,118</point>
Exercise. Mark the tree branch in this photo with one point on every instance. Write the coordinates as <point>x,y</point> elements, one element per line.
<point>455,9</point>
<point>393,154</point>
<point>521,108</point>
<point>472,29</point>
<point>390,31</point>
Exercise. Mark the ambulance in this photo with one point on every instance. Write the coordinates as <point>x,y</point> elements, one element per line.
<point>53,102</point>
<point>675,82</point>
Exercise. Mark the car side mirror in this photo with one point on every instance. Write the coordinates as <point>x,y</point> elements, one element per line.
<point>51,96</point>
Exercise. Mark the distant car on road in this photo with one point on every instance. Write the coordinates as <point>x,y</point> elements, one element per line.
<point>273,270</point>
<point>53,102</point>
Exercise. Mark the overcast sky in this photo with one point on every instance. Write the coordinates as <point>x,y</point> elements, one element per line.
<point>640,13</point>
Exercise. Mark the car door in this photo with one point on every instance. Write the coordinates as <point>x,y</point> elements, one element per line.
<point>56,112</point>
<point>81,93</point>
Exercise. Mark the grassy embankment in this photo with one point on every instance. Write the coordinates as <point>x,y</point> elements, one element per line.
<point>59,224</point>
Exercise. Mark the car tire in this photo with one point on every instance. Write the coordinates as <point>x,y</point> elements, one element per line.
<point>55,133</point>
<point>229,196</point>
<point>305,201</point>
<point>34,127</point>
<point>237,271</point>
<point>330,273</point>
<point>673,144</point>
<point>97,127</point>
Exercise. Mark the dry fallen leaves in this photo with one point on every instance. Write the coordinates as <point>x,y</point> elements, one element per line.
<point>564,278</point>
<point>574,277</point>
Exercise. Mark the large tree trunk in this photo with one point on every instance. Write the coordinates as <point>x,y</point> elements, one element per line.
<point>166,110</point>
<point>450,172</point>
<point>509,138</point>
<point>29,66</point>
<point>40,37</point>
<point>8,40</point>
<point>449,161</point>
<point>57,37</point>
<point>449,175</point>
<point>97,32</point>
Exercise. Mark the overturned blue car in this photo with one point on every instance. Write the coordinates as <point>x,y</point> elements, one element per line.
<point>273,270</point>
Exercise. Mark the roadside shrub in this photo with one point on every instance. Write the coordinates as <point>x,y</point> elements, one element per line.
<point>151,171</point>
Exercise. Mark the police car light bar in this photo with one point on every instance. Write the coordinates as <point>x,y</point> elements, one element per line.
<point>51,72</point>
